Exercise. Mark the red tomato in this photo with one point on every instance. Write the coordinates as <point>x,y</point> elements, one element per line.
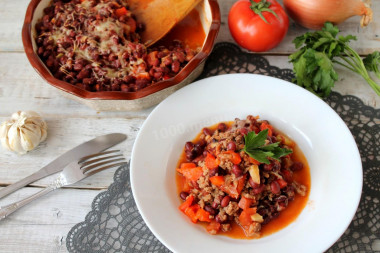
<point>250,31</point>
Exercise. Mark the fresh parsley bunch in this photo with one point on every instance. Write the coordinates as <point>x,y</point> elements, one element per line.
<point>313,64</point>
<point>256,148</point>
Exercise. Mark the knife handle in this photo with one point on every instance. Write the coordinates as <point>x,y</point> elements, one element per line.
<point>7,210</point>
<point>23,182</point>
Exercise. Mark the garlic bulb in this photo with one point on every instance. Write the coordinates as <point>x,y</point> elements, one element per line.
<point>23,132</point>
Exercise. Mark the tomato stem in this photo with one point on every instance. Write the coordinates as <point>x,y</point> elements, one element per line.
<point>260,7</point>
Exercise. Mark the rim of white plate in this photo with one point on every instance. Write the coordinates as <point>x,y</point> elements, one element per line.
<point>186,112</point>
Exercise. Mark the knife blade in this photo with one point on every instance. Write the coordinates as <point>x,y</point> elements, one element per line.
<point>93,146</point>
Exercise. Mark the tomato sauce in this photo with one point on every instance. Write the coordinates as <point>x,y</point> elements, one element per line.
<point>190,31</point>
<point>287,216</point>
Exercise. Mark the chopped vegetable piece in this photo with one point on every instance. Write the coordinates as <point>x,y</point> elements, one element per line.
<point>264,126</point>
<point>232,156</point>
<point>192,174</point>
<point>254,172</point>
<point>217,180</point>
<point>213,228</point>
<point>232,190</point>
<point>192,212</point>
<point>257,218</point>
<point>188,202</point>
<point>203,215</point>
<point>254,161</point>
<point>245,217</point>
<point>211,162</point>
<point>245,203</point>
<point>282,183</point>
<point>121,12</point>
<point>188,165</point>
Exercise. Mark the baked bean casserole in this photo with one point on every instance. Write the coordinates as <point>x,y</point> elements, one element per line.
<point>95,45</point>
<point>238,178</point>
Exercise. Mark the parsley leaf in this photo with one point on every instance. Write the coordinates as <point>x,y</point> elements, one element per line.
<point>255,147</point>
<point>372,63</point>
<point>319,51</point>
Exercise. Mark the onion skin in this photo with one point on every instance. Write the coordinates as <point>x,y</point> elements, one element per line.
<point>313,14</point>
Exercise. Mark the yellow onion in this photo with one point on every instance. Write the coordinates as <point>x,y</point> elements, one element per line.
<point>314,13</point>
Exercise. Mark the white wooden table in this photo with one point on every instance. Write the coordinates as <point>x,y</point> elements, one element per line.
<point>43,225</point>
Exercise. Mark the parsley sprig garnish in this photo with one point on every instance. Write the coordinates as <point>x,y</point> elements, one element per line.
<point>255,147</point>
<point>319,51</point>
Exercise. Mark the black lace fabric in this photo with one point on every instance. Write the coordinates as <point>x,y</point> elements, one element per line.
<point>115,225</point>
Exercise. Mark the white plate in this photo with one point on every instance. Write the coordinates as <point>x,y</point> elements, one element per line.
<point>334,160</point>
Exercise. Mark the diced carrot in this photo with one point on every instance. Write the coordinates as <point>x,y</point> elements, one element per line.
<point>192,212</point>
<point>203,215</point>
<point>217,180</point>
<point>241,183</point>
<point>211,162</point>
<point>245,216</point>
<point>213,228</point>
<point>188,165</point>
<point>186,185</point>
<point>121,12</point>
<point>143,75</point>
<point>282,183</point>
<point>233,191</point>
<point>233,157</point>
<point>131,23</point>
<point>264,126</point>
<point>187,203</point>
<point>245,203</point>
<point>193,174</point>
<point>152,58</point>
<point>253,161</point>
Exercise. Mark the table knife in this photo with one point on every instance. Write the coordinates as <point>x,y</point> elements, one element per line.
<point>93,146</point>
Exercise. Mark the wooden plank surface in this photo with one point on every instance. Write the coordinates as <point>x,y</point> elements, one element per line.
<point>43,225</point>
<point>12,18</point>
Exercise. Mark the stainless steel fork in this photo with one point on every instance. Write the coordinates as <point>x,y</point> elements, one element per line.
<point>72,173</point>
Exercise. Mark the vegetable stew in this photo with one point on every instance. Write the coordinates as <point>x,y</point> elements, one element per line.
<point>243,179</point>
<point>95,45</point>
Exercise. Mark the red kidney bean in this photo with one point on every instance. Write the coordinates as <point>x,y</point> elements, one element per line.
<point>183,195</point>
<point>222,127</point>
<point>215,205</point>
<point>244,131</point>
<point>198,149</point>
<point>218,219</point>
<point>225,201</point>
<point>210,210</point>
<point>259,189</point>
<point>206,131</point>
<point>190,156</point>
<point>237,170</point>
<point>275,187</point>
<point>83,74</point>
<point>175,66</point>
<point>189,146</point>
<point>296,166</point>
<point>231,146</point>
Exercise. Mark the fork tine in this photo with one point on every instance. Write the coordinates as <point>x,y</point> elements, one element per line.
<point>92,172</point>
<point>95,155</point>
<point>99,159</point>
<point>85,169</point>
